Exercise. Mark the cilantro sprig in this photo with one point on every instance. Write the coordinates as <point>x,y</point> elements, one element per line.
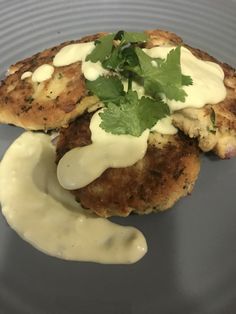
<point>116,51</point>
<point>124,112</point>
<point>165,77</point>
<point>133,115</point>
<point>102,50</point>
<point>107,89</point>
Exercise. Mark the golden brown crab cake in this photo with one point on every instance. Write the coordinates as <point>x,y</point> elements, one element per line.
<point>213,125</point>
<point>49,104</point>
<point>167,172</point>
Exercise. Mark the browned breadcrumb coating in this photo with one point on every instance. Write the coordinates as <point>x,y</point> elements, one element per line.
<point>166,173</point>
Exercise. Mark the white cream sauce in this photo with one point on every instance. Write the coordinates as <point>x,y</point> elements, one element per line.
<point>26,74</point>
<point>66,56</point>
<point>78,52</point>
<point>92,70</point>
<point>42,73</point>
<point>73,53</point>
<point>208,79</point>
<point>82,165</point>
<point>48,217</point>
<point>165,126</point>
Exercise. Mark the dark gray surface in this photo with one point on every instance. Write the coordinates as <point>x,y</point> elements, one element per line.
<point>191,263</point>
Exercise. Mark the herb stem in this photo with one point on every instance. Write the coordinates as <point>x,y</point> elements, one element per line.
<point>130,82</point>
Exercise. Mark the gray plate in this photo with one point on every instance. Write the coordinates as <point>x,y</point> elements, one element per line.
<point>191,263</point>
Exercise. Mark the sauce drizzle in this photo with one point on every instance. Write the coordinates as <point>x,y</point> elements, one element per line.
<point>48,217</point>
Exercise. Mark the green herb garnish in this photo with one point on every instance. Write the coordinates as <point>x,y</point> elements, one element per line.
<point>213,126</point>
<point>102,50</point>
<point>124,112</point>
<point>165,77</point>
<point>135,37</point>
<point>108,89</point>
<point>132,115</point>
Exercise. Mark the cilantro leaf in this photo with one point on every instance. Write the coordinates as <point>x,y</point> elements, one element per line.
<point>164,78</point>
<point>115,61</point>
<point>104,45</point>
<point>119,35</point>
<point>150,111</point>
<point>121,119</point>
<point>131,37</point>
<point>103,48</point>
<point>133,115</point>
<point>171,69</point>
<point>187,80</point>
<point>145,61</point>
<point>107,89</point>
<point>135,37</point>
<point>122,59</point>
<point>123,56</point>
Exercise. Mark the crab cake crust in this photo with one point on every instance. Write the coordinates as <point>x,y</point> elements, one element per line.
<point>167,172</point>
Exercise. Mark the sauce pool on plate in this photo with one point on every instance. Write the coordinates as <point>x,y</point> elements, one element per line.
<point>47,216</point>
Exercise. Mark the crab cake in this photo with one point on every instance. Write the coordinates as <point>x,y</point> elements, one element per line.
<point>167,172</point>
<point>213,125</point>
<point>49,104</point>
